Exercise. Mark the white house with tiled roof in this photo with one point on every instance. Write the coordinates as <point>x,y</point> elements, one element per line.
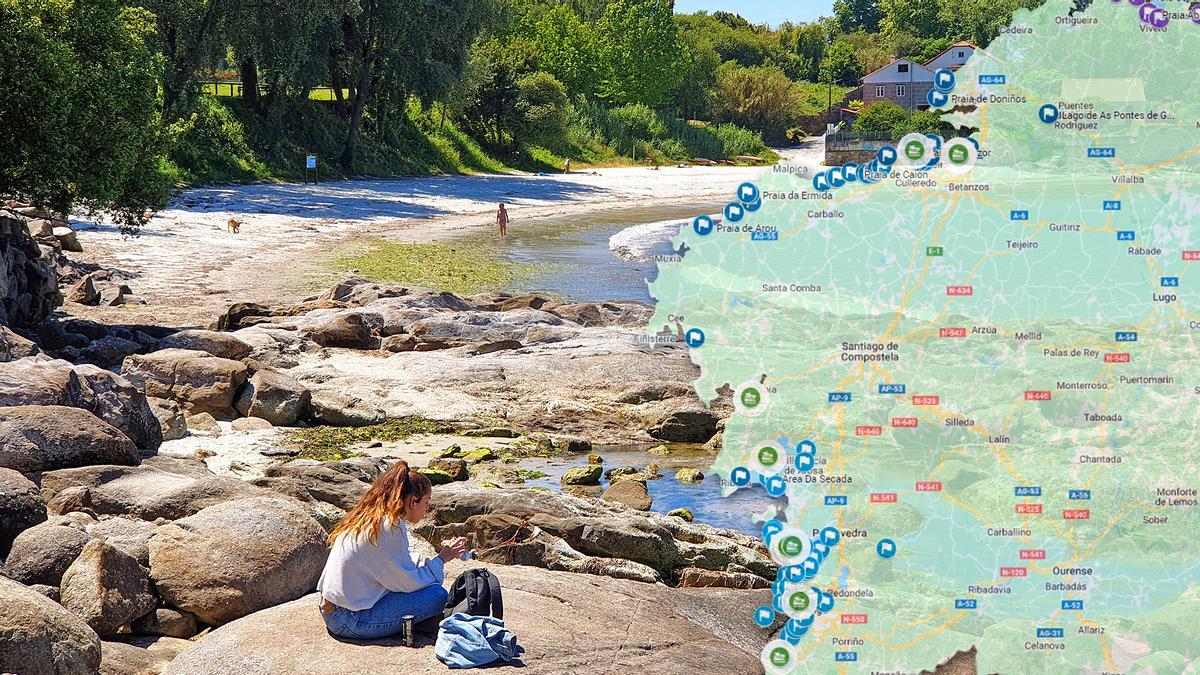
<point>907,82</point>
<point>953,58</point>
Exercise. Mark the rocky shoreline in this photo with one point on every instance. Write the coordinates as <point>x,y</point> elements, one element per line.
<point>153,498</point>
<point>165,493</point>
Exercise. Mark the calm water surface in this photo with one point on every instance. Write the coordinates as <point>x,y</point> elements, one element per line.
<point>576,249</point>
<point>581,265</point>
<point>704,500</point>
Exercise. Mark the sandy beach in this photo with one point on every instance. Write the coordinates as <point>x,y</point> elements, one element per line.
<point>187,267</point>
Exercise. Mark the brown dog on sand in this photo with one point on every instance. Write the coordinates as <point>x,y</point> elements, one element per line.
<point>235,225</point>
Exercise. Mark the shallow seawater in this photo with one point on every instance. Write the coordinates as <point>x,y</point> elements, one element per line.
<point>575,250</point>
<point>703,499</point>
<point>580,264</point>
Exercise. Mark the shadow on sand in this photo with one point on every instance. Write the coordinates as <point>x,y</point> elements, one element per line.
<point>380,198</point>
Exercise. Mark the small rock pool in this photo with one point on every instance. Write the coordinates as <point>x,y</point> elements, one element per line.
<point>704,499</point>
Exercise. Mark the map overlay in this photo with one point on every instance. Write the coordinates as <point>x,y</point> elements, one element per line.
<point>975,387</point>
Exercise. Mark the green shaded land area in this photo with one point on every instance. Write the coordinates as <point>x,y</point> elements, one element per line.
<point>850,298</point>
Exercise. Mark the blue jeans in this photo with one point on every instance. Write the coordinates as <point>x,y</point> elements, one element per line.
<point>387,616</point>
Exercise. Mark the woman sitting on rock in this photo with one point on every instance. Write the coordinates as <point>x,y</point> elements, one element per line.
<point>372,579</point>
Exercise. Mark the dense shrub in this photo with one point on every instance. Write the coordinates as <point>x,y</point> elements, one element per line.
<point>210,144</point>
<point>738,141</point>
<point>888,119</point>
<point>544,108</point>
<point>881,118</point>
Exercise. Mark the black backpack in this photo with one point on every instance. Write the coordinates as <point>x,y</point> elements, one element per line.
<point>476,592</point>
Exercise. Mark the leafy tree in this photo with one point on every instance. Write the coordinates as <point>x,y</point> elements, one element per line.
<point>589,10</point>
<point>744,47</point>
<point>882,118</point>
<point>761,98</point>
<point>544,108</point>
<point>870,52</point>
<point>734,21</point>
<point>699,69</point>
<point>930,48</point>
<point>389,50</point>
<point>980,20</point>
<point>921,18</point>
<point>187,37</point>
<point>284,41</point>
<point>854,15</point>
<point>637,46</point>
<point>79,107</point>
<point>808,42</point>
<point>486,98</point>
<point>841,65</point>
<point>564,47</point>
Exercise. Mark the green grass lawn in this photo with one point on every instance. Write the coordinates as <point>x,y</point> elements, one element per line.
<point>233,90</point>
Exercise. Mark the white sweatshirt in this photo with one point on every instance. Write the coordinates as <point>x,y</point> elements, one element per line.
<point>357,573</point>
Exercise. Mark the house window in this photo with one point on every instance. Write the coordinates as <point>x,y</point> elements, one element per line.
<point>961,54</point>
<point>903,68</point>
<point>901,90</point>
<point>880,91</point>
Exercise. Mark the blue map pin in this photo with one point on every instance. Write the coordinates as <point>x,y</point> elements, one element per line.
<point>734,212</point>
<point>825,602</point>
<point>886,548</point>
<point>694,338</point>
<point>764,616</point>
<point>776,486</point>
<point>769,529</point>
<point>937,98</point>
<point>748,192</point>
<point>740,476</point>
<point>805,462</point>
<point>703,226</point>
<point>943,80</point>
<point>1048,113</point>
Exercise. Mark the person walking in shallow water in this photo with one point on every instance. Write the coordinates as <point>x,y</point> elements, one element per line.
<point>502,220</point>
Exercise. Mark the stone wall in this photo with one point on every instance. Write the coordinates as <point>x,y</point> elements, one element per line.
<point>843,156</point>
<point>28,284</point>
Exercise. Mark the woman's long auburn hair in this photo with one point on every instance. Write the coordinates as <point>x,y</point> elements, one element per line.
<point>386,498</point>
